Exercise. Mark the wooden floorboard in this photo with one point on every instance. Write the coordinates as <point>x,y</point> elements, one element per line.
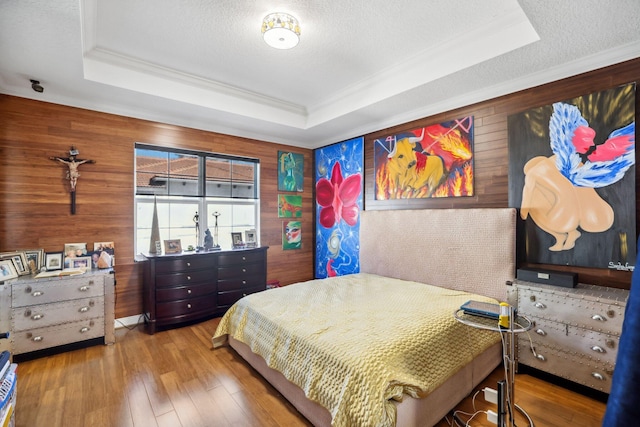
<point>175,379</point>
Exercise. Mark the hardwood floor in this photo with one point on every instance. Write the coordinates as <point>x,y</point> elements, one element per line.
<point>174,378</point>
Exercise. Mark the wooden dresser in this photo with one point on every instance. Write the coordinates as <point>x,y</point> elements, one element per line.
<point>46,313</point>
<point>576,330</point>
<point>198,285</point>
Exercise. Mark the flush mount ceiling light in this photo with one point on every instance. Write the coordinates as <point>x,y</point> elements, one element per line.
<point>281,30</point>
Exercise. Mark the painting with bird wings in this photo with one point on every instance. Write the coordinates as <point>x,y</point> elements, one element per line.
<point>433,161</point>
<point>572,176</point>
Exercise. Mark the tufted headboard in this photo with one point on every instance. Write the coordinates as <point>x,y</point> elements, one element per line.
<point>464,249</point>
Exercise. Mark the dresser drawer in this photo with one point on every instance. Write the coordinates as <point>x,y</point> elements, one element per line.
<point>240,271</point>
<point>597,345</point>
<point>186,307</point>
<point>189,263</point>
<point>184,292</point>
<point>184,278</point>
<point>599,316</point>
<point>243,282</point>
<point>582,370</point>
<point>46,291</point>
<point>243,257</point>
<point>226,299</point>
<point>42,315</point>
<point>51,336</point>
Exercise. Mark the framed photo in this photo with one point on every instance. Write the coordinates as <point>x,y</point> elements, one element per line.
<point>73,250</point>
<point>236,238</point>
<point>172,246</point>
<point>53,260</point>
<point>250,238</point>
<point>19,262</point>
<point>35,259</point>
<point>7,270</point>
<point>80,262</point>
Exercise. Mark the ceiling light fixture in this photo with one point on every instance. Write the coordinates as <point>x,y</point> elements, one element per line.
<point>281,30</point>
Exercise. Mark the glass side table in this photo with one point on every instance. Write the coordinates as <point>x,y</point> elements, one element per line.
<point>518,324</point>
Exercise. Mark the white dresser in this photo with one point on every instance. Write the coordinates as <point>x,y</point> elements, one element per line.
<point>576,330</point>
<point>50,312</point>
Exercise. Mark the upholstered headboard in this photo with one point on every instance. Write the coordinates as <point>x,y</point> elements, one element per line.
<point>463,249</point>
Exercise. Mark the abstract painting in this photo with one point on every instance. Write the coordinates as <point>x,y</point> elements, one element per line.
<point>290,171</point>
<point>572,176</point>
<point>291,235</point>
<point>433,161</point>
<point>289,205</point>
<point>339,187</point>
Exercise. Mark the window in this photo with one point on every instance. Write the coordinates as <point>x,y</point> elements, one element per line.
<point>194,188</point>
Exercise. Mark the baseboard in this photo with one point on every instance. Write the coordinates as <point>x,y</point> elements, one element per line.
<point>128,322</point>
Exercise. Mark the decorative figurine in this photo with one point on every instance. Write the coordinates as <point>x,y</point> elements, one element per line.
<point>208,240</point>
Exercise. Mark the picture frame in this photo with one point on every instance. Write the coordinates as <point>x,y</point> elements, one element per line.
<point>7,270</point>
<point>19,260</point>
<point>173,246</point>
<point>236,238</point>
<point>250,238</point>
<point>54,260</point>
<point>35,259</point>
<point>73,250</point>
<point>81,262</point>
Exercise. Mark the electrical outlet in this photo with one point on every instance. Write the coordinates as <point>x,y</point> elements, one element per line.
<point>490,395</point>
<point>492,417</point>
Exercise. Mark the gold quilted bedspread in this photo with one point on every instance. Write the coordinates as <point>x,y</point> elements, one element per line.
<point>354,342</point>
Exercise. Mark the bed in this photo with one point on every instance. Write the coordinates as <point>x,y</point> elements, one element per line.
<point>381,347</point>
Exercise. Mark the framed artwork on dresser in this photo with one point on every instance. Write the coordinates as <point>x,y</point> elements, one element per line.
<point>7,270</point>
<point>53,261</point>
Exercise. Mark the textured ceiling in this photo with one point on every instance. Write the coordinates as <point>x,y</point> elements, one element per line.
<point>360,66</point>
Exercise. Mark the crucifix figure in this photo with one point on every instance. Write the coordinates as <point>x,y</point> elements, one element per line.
<point>72,163</point>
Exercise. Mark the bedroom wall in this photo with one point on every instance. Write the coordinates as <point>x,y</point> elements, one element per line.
<point>35,202</point>
<point>491,151</point>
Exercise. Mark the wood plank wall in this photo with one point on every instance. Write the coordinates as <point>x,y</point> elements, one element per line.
<point>34,191</point>
<point>34,194</point>
<point>491,151</point>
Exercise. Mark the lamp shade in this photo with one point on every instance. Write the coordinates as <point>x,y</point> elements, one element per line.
<point>280,30</point>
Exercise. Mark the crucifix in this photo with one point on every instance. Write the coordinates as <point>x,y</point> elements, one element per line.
<point>72,163</point>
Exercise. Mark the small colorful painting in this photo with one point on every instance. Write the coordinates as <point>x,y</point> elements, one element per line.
<point>290,171</point>
<point>339,188</point>
<point>433,161</point>
<point>572,175</point>
<point>291,235</point>
<point>289,206</point>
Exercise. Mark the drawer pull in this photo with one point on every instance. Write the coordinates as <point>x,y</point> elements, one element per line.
<point>539,305</point>
<point>188,305</point>
<point>188,277</point>
<point>244,270</point>
<point>37,338</point>
<point>598,318</point>
<point>188,291</point>
<point>597,376</point>
<point>37,316</point>
<point>541,332</point>
<point>244,282</point>
<point>37,293</point>
<point>541,358</point>
<point>188,264</point>
<point>84,329</point>
<point>598,349</point>
<point>244,258</point>
<point>83,309</point>
<point>83,288</point>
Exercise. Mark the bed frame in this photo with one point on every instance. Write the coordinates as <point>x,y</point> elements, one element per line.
<point>463,249</point>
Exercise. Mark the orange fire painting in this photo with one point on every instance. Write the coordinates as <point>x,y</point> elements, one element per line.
<point>433,161</point>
